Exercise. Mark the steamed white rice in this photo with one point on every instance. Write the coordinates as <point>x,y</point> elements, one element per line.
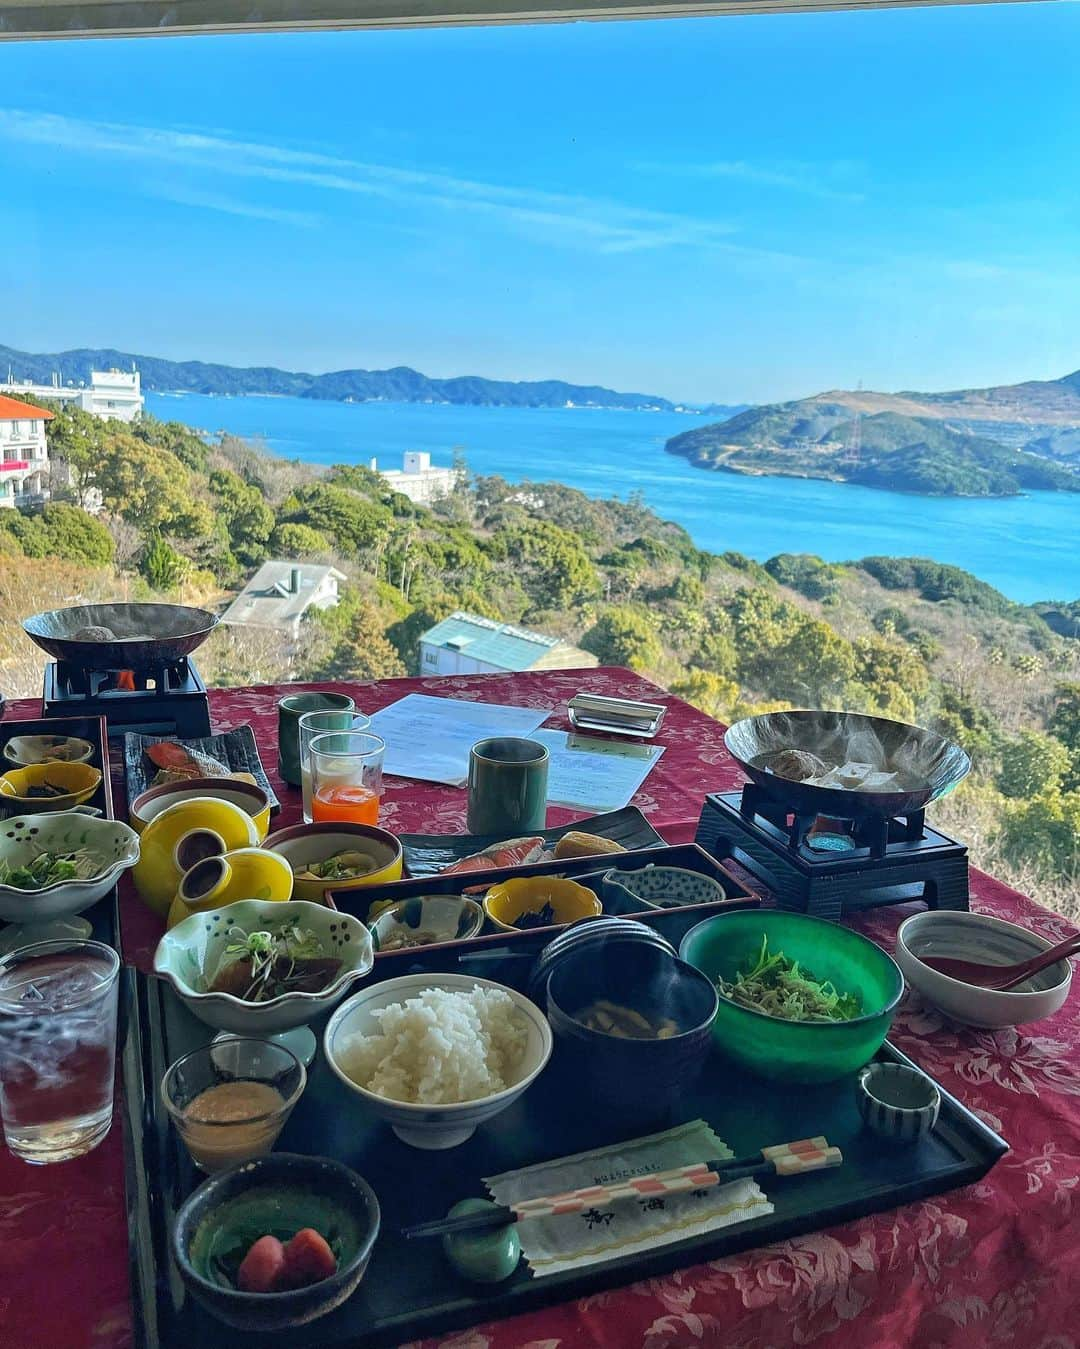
<point>441,1047</point>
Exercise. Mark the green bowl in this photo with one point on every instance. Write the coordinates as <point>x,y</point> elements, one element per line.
<point>797,1051</point>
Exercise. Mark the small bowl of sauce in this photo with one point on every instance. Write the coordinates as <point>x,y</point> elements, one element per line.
<point>230,1100</point>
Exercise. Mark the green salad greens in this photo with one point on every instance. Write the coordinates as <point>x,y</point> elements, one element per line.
<point>775,985</point>
<point>49,868</point>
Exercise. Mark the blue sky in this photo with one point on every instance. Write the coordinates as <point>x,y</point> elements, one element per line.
<point>731,209</point>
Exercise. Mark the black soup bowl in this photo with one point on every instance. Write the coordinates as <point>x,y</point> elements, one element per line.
<point>277,1194</point>
<point>634,1079</point>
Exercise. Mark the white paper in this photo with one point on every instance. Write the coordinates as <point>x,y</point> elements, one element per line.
<point>587,773</point>
<point>613,1231</point>
<point>429,738</point>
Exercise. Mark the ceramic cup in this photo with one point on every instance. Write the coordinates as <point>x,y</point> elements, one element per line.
<point>507,786</point>
<point>897,1102</point>
<point>290,710</point>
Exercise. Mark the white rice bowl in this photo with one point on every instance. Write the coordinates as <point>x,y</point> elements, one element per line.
<point>435,1055</point>
<point>441,1047</point>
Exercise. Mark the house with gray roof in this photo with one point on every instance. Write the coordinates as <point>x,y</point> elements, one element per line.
<point>467,644</point>
<point>281,593</point>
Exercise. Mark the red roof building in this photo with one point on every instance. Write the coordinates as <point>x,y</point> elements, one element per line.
<point>24,453</point>
<point>11,410</point>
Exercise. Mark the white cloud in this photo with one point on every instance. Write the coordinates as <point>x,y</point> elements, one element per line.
<point>212,201</point>
<point>812,180</point>
<point>594,223</point>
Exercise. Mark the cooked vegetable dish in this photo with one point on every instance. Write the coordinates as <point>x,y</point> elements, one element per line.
<point>341,866</point>
<point>611,1018</point>
<point>258,966</point>
<point>777,986</point>
<point>49,868</point>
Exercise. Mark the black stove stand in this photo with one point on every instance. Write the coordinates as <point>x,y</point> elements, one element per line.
<point>886,861</point>
<point>166,700</point>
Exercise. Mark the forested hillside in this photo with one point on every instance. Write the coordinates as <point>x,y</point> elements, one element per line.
<point>905,637</point>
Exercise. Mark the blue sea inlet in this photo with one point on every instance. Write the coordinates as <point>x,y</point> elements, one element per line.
<point>1026,546</point>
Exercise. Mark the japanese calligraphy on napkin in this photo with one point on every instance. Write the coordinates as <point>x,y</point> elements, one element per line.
<point>608,1232</point>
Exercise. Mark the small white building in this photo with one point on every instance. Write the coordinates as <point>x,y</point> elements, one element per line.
<point>24,453</point>
<point>468,644</point>
<point>281,593</point>
<point>115,395</point>
<point>417,479</point>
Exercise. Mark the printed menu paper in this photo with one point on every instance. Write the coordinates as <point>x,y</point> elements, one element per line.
<point>587,773</point>
<point>429,738</point>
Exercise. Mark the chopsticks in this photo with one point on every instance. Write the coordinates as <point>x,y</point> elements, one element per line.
<point>783,1159</point>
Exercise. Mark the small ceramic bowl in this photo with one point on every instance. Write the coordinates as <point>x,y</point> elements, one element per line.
<point>77,782</point>
<point>509,901</point>
<point>280,1194</point>
<point>977,936</point>
<point>631,1079</point>
<point>23,750</point>
<point>897,1102</point>
<point>431,1126</point>
<point>663,887</point>
<point>26,836</point>
<point>188,957</point>
<point>425,920</point>
<point>301,844</point>
<point>248,796</point>
<point>242,873</point>
<point>219,1144</point>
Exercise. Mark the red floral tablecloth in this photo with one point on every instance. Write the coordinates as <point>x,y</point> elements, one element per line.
<point>997,1263</point>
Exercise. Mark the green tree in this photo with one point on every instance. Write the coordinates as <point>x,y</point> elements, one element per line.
<point>1044,832</point>
<point>1033,764</point>
<point>711,692</point>
<point>552,563</point>
<point>358,647</point>
<point>162,566</point>
<point>248,519</point>
<point>62,531</point>
<point>299,541</point>
<point>1065,719</point>
<point>785,653</point>
<point>624,636</point>
<point>355,523</point>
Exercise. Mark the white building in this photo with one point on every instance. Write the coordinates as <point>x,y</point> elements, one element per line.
<point>24,453</point>
<point>280,594</point>
<point>468,644</point>
<point>115,395</point>
<point>417,479</point>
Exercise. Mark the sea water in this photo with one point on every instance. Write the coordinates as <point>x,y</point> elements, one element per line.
<point>1026,546</point>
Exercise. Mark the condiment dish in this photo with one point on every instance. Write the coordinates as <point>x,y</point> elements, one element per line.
<point>507,903</point>
<point>76,783</point>
<point>431,1126</point>
<point>424,920</point>
<point>978,936</point>
<point>188,956</point>
<point>279,1194</point>
<point>662,887</point>
<point>24,750</point>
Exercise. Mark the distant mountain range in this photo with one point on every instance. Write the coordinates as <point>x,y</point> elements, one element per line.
<point>971,442</point>
<point>399,385</point>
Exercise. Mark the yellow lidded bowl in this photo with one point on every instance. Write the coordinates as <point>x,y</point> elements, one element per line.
<point>183,835</point>
<point>302,845</point>
<point>241,792</point>
<point>246,873</point>
<point>76,781</point>
<point>510,900</point>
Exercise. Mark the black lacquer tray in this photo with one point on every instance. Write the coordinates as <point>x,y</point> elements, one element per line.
<point>104,916</point>
<point>409,1291</point>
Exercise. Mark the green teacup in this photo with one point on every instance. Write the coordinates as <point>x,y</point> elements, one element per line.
<point>507,786</point>
<point>290,710</point>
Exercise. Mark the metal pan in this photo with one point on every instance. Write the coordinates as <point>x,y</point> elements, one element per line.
<point>839,737</point>
<point>146,635</point>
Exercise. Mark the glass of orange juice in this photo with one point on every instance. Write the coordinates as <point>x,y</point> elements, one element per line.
<point>346,776</point>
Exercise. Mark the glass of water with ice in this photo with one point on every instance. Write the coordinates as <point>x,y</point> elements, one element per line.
<point>57,1048</point>
<point>312,724</point>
